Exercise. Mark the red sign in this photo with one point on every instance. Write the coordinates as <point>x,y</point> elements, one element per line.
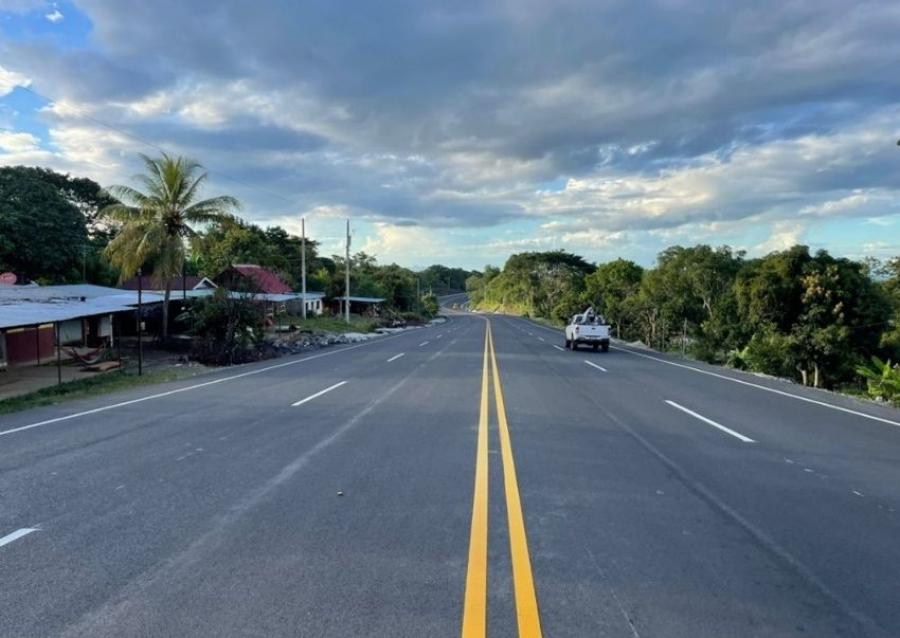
<point>8,278</point>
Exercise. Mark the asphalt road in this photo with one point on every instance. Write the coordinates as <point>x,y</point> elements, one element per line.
<point>486,481</point>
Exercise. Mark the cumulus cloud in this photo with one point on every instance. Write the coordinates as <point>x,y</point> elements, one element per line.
<point>784,234</point>
<point>54,16</point>
<point>850,173</point>
<point>590,121</point>
<point>9,80</point>
<point>11,142</point>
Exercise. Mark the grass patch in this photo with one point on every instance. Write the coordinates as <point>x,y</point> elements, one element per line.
<point>96,385</point>
<point>331,324</point>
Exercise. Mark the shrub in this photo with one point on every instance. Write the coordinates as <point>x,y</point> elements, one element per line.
<point>768,352</point>
<point>430,305</point>
<point>882,380</point>
<point>227,328</point>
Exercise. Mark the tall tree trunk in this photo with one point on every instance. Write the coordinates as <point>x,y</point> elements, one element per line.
<point>815,374</point>
<point>165,310</point>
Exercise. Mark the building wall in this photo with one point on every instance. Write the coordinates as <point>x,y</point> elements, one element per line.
<point>70,332</point>
<point>27,346</point>
<point>314,307</point>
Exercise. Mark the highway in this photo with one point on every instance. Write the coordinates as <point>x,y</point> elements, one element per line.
<point>466,479</point>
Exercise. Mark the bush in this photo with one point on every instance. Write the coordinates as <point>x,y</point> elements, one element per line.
<point>768,352</point>
<point>413,317</point>
<point>882,380</point>
<point>227,328</point>
<point>430,305</point>
<point>737,359</point>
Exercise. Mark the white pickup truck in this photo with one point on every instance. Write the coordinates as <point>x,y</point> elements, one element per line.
<point>588,328</point>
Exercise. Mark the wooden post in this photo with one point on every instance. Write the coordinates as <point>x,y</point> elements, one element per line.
<point>140,322</point>
<point>58,357</point>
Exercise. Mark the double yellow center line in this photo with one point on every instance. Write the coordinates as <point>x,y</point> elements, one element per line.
<point>475,604</point>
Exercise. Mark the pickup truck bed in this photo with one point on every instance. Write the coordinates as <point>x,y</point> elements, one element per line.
<point>582,332</point>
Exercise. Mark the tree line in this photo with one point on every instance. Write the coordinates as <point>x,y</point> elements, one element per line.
<point>55,228</point>
<point>814,317</point>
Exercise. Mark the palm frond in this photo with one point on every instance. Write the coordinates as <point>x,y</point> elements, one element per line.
<point>129,195</point>
<point>190,192</point>
<point>155,222</point>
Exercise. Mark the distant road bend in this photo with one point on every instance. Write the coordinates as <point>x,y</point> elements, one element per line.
<point>467,479</point>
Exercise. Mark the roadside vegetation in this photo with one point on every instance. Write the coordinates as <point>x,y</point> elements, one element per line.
<point>812,317</point>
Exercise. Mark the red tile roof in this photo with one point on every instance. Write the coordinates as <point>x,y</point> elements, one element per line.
<point>267,281</point>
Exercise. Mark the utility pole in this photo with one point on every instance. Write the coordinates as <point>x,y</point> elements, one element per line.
<point>347,277</point>
<point>140,322</point>
<point>303,262</point>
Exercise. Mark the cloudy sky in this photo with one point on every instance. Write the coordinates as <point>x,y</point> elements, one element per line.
<point>459,132</point>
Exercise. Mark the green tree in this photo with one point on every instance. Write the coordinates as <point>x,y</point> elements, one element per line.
<point>228,328</point>
<point>889,274</point>
<point>611,290</point>
<point>42,235</point>
<point>444,280</point>
<point>825,313</point>
<point>430,305</point>
<point>533,283</point>
<point>153,225</point>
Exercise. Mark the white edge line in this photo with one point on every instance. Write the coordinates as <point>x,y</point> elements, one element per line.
<point>559,348</point>
<point>318,394</point>
<point>19,533</point>
<point>594,365</point>
<point>160,395</point>
<point>424,343</point>
<point>737,435</point>
<point>747,383</point>
<point>395,357</point>
<point>762,387</point>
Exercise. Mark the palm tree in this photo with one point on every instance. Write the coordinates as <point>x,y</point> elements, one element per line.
<point>155,224</point>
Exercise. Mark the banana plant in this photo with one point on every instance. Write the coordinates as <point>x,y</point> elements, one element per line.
<point>882,379</point>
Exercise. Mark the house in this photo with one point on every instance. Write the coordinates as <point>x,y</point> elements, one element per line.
<point>33,318</point>
<point>367,306</point>
<point>254,279</point>
<point>315,304</point>
<point>267,287</point>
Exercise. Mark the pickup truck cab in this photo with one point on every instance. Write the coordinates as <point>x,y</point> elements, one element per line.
<point>587,328</point>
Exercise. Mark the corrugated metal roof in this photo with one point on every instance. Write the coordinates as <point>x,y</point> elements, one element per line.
<point>29,313</point>
<point>30,305</point>
<point>71,291</point>
<point>362,299</point>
